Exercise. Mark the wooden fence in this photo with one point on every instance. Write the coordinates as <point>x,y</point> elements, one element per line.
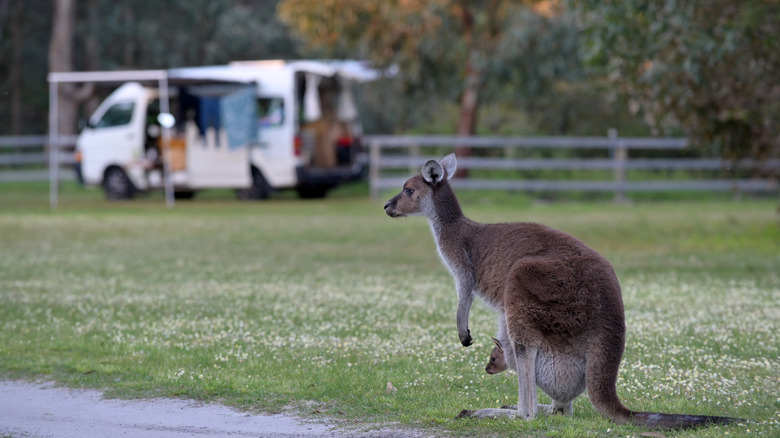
<point>26,158</point>
<point>404,154</point>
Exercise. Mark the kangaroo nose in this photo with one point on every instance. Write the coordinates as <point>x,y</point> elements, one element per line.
<point>387,204</point>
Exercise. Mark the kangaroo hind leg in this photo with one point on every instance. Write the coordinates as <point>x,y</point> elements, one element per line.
<point>526,407</point>
<point>556,408</point>
<point>525,358</point>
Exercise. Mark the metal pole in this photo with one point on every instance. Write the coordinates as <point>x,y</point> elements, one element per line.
<point>166,142</point>
<point>54,145</point>
<point>373,169</point>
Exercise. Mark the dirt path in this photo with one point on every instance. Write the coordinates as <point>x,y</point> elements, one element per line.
<point>43,410</point>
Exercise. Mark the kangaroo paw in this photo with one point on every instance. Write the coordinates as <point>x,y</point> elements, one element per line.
<point>465,339</point>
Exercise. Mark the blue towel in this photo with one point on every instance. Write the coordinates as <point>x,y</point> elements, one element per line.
<point>239,117</point>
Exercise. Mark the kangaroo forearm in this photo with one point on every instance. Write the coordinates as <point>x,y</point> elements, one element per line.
<point>464,308</point>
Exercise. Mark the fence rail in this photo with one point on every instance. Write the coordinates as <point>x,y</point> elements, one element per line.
<point>408,157</point>
<point>26,157</point>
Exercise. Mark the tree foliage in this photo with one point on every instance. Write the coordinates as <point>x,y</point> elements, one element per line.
<point>23,65</point>
<point>110,35</point>
<point>710,68</point>
<point>174,33</point>
<point>706,68</point>
<point>448,48</point>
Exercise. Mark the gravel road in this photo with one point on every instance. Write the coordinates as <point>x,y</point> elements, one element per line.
<point>43,410</point>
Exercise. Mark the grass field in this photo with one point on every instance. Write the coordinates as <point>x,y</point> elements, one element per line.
<point>315,306</point>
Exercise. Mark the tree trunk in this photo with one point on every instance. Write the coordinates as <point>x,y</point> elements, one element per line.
<point>128,50</point>
<point>469,110</point>
<point>91,54</point>
<point>469,100</point>
<point>61,59</point>
<point>14,69</point>
<point>5,6</point>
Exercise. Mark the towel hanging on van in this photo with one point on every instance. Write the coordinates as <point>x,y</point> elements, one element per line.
<point>346,106</point>
<point>311,99</point>
<point>239,117</point>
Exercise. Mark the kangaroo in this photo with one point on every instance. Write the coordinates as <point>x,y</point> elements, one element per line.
<point>496,362</point>
<point>560,312</point>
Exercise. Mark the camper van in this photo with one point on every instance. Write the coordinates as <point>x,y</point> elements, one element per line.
<point>254,127</point>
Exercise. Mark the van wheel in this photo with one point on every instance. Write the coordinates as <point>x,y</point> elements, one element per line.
<point>260,188</point>
<point>312,192</point>
<point>117,185</point>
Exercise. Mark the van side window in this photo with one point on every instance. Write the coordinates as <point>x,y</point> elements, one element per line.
<point>270,111</point>
<point>118,114</point>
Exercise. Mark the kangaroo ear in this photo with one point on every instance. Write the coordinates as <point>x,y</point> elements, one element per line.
<point>449,163</point>
<point>498,343</point>
<point>432,172</point>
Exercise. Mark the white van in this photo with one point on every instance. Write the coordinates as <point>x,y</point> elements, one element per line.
<point>250,126</point>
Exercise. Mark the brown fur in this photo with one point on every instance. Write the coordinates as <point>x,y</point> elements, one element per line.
<point>560,308</point>
<point>496,363</point>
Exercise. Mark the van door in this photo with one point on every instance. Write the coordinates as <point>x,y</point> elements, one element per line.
<point>275,153</point>
<point>115,135</point>
<point>221,157</point>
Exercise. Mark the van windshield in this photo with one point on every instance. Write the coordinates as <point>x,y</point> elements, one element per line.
<point>117,115</point>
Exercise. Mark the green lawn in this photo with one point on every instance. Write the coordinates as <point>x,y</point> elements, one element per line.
<point>316,306</point>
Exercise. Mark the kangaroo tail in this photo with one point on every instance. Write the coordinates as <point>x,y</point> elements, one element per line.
<point>601,376</point>
<point>677,421</point>
<point>606,402</point>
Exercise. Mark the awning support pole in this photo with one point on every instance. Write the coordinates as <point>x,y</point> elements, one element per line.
<point>166,142</point>
<point>54,146</point>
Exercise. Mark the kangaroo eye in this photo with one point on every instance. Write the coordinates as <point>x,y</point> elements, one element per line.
<point>409,191</point>
<point>492,360</point>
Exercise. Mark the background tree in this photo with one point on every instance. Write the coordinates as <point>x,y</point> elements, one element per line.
<point>61,59</point>
<point>441,46</point>
<point>708,68</point>
<point>23,62</point>
<point>526,76</point>
<point>143,34</point>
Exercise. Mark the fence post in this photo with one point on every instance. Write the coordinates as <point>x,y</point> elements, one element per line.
<point>620,155</point>
<point>373,169</point>
<point>414,154</point>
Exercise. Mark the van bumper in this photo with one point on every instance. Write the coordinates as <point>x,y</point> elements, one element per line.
<point>332,176</point>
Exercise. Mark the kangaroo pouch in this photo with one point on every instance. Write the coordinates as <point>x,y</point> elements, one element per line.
<point>560,375</point>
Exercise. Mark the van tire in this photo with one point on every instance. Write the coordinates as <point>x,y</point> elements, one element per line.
<point>117,185</point>
<point>312,192</point>
<point>184,194</point>
<point>260,189</point>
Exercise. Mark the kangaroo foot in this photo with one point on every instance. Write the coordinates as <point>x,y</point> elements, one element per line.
<point>488,413</point>
<point>545,409</point>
